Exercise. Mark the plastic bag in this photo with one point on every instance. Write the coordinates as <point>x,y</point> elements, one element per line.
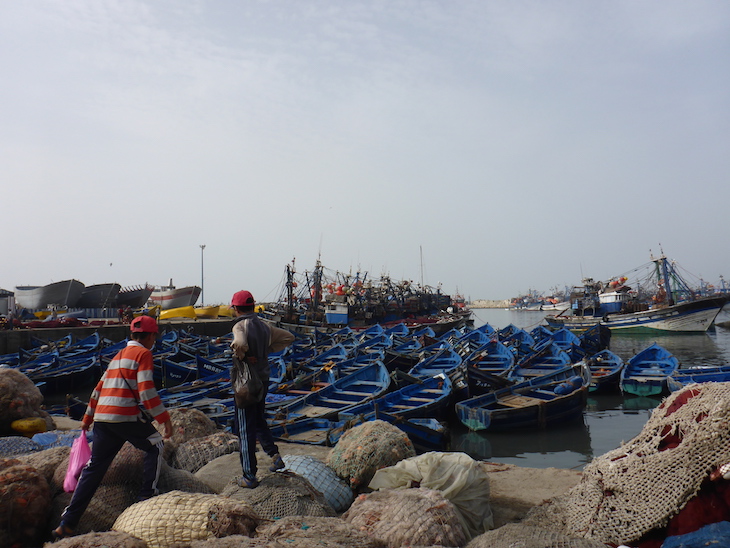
<point>247,386</point>
<point>80,455</point>
<point>461,479</point>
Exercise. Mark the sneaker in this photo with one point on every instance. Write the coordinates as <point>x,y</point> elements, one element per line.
<point>247,483</point>
<point>277,463</point>
<point>62,531</point>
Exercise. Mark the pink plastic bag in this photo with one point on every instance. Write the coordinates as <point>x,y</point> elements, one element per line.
<point>80,455</point>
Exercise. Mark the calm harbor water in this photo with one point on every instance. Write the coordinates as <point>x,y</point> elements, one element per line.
<point>608,420</point>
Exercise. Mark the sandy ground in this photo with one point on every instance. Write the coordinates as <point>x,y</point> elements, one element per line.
<point>513,489</point>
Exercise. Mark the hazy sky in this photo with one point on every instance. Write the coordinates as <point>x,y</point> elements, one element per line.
<point>494,147</point>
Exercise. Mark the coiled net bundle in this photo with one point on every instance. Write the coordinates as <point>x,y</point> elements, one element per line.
<point>178,518</point>
<point>408,517</point>
<point>366,448</point>
<point>335,491</point>
<point>280,495</point>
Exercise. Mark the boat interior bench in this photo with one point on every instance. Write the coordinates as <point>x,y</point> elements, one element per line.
<point>337,402</point>
<point>353,393</point>
<point>514,400</point>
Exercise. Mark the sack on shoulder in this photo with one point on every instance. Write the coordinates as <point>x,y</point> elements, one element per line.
<point>247,386</point>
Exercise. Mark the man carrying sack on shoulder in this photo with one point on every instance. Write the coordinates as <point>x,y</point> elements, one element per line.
<point>252,341</point>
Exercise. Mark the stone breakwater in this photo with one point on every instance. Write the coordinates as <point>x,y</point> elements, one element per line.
<point>483,303</point>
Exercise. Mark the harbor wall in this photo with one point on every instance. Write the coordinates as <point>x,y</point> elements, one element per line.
<point>484,303</point>
<point>13,340</point>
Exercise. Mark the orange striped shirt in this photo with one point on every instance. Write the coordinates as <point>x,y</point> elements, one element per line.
<point>128,379</point>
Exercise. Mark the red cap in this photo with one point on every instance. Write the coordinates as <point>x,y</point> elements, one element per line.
<point>242,298</point>
<point>143,324</point>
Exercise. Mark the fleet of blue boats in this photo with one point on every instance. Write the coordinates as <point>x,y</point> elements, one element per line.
<point>327,381</point>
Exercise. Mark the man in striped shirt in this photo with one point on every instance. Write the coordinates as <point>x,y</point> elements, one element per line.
<point>114,408</point>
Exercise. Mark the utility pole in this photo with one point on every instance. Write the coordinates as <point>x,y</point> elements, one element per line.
<point>202,277</point>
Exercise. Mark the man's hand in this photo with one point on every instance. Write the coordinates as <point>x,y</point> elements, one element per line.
<point>167,427</point>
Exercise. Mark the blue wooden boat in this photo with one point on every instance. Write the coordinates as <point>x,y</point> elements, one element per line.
<point>556,398</point>
<point>647,373</point>
<point>364,384</point>
<point>69,375</point>
<point>444,361</point>
<point>548,358</point>
<point>540,333</point>
<point>429,398</point>
<point>682,377</point>
<point>606,368</point>
<point>493,357</point>
<point>565,339</point>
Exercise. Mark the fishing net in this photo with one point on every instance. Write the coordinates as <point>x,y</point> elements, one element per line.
<point>107,539</point>
<point>335,491</point>
<point>107,504</point>
<point>639,486</point>
<point>366,448</point>
<point>461,479</point>
<point>516,535</point>
<point>317,532</point>
<point>196,453</point>
<point>189,424</point>
<point>25,503</point>
<point>282,494</point>
<point>178,518</point>
<point>11,446</point>
<point>47,462</point>
<point>409,517</point>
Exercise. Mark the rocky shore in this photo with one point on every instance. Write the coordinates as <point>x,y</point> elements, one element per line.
<point>513,489</point>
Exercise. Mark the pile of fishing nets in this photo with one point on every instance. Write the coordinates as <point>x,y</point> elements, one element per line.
<point>25,501</point>
<point>461,479</point>
<point>177,518</point>
<point>366,448</point>
<point>647,488</point>
<point>280,495</point>
<point>20,398</point>
<point>335,491</point>
<point>408,517</point>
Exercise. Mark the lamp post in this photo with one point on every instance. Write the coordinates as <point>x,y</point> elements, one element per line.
<point>202,277</point>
